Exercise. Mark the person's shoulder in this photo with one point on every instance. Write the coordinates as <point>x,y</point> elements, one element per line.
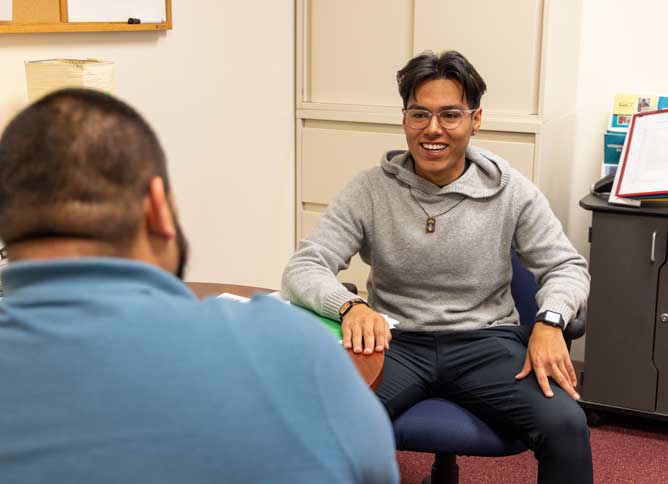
<point>366,178</point>
<point>358,189</point>
<point>515,179</point>
<point>515,185</point>
<point>519,179</point>
<point>268,317</point>
<point>391,163</point>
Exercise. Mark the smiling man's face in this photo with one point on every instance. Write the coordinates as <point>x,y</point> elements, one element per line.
<point>439,154</point>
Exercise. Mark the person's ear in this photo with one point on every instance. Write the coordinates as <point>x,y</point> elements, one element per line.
<point>157,210</point>
<point>477,119</point>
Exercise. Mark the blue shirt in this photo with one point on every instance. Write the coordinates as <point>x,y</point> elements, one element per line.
<point>111,371</point>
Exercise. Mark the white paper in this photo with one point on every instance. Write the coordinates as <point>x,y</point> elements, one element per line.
<point>45,76</point>
<point>6,10</point>
<point>392,323</point>
<point>646,164</point>
<point>148,11</point>
<point>234,297</point>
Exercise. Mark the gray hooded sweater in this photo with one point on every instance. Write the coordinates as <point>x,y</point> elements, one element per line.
<point>455,278</point>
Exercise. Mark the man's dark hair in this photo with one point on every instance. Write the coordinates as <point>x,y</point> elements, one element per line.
<point>448,65</point>
<point>77,163</point>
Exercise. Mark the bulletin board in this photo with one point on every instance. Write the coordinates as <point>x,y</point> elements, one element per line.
<point>41,16</point>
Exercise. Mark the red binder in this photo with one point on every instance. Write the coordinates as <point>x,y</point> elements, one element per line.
<point>643,170</point>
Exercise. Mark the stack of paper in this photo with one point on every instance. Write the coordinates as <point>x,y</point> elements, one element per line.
<point>332,325</point>
<point>45,76</point>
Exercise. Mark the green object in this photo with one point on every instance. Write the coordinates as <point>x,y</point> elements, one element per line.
<point>333,326</point>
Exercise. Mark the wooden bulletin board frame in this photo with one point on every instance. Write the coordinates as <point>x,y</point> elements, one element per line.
<point>43,16</point>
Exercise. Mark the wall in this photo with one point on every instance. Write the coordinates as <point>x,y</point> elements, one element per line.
<point>218,89</point>
<point>621,49</point>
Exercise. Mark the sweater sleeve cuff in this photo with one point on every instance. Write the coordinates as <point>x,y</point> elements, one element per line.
<point>560,307</point>
<point>334,301</point>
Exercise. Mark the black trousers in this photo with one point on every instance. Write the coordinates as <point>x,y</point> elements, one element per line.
<point>476,369</point>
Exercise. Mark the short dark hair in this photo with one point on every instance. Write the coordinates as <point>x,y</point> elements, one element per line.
<point>448,65</point>
<point>77,163</point>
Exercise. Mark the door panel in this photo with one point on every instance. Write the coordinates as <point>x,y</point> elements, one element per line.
<point>334,152</point>
<point>661,336</point>
<point>621,316</point>
<point>356,49</point>
<point>509,64</point>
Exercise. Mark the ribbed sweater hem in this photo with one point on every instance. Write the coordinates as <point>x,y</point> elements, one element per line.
<point>334,301</point>
<point>559,307</point>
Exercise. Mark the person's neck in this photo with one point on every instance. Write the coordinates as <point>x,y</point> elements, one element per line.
<point>64,248</point>
<point>446,180</point>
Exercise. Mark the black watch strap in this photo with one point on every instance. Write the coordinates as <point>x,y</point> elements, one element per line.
<point>348,305</point>
<point>551,318</point>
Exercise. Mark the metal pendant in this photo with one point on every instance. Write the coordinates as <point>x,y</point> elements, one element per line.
<point>431,225</point>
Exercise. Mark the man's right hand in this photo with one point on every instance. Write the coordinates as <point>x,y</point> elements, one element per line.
<point>364,330</point>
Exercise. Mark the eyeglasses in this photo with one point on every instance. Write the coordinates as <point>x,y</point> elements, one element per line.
<point>448,118</point>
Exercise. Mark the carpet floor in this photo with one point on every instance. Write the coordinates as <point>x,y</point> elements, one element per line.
<point>626,450</point>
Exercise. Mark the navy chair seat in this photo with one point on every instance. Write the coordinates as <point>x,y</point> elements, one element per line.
<point>440,426</point>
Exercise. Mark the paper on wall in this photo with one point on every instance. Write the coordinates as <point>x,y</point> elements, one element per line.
<point>45,76</point>
<point>148,11</point>
<point>6,10</point>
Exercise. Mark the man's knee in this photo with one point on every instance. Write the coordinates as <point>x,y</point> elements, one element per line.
<point>564,428</point>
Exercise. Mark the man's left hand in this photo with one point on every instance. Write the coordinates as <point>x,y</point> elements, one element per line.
<point>548,356</point>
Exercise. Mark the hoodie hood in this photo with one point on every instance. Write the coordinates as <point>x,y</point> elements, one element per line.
<point>487,175</point>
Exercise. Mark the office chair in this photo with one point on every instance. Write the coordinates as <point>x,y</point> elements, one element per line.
<point>447,430</point>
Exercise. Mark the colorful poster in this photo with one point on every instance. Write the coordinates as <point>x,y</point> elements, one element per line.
<point>626,105</point>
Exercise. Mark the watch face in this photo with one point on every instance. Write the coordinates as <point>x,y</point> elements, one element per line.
<point>552,317</point>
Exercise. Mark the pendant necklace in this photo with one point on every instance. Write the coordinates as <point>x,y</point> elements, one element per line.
<point>430,227</point>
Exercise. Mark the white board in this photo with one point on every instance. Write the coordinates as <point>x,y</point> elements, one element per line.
<point>6,10</point>
<point>148,11</point>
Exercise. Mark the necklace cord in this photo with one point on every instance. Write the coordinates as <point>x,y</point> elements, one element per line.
<point>410,190</point>
<point>430,226</point>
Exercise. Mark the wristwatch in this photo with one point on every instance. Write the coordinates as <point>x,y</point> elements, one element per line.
<point>348,305</point>
<point>551,318</point>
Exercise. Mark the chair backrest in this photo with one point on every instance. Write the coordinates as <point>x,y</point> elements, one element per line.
<point>523,288</point>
